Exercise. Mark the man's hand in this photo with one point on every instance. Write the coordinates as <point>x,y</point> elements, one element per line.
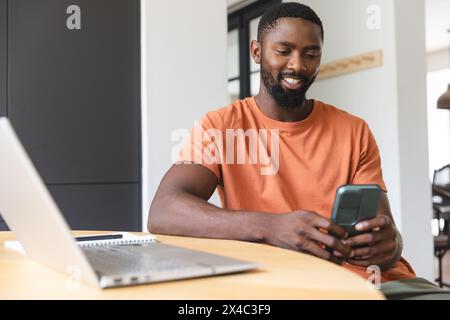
<point>301,231</point>
<point>380,245</point>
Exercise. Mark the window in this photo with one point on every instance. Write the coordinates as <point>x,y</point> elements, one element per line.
<point>243,72</point>
<point>438,121</point>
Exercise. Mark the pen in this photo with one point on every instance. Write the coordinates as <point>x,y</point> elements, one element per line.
<point>101,237</point>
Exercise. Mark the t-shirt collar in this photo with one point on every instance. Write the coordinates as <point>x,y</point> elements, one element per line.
<point>282,125</point>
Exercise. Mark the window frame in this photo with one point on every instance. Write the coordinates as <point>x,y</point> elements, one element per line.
<point>240,20</point>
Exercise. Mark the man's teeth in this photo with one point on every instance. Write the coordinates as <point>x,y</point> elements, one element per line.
<point>291,80</point>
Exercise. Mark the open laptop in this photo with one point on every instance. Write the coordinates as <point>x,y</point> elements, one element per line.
<point>32,214</point>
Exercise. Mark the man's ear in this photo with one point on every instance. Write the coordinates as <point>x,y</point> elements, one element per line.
<point>255,49</point>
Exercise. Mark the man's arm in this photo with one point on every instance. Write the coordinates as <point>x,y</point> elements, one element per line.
<point>180,207</point>
<point>382,245</point>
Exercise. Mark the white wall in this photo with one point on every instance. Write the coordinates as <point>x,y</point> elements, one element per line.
<point>438,60</point>
<point>183,76</point>
<point>391,99</point>
<point>415,185</point>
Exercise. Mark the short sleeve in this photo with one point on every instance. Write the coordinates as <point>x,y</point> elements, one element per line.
<point>204,145</point>
<point>368,168</point>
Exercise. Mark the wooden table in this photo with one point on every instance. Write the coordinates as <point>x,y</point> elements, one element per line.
<point>284,274</point>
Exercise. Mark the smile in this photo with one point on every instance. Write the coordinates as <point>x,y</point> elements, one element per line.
<point>292,83</point>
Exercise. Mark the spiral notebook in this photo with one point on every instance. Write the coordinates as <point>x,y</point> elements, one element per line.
<point>109,239</point>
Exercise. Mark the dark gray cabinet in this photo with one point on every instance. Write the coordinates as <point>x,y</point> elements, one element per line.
<point>73,96</point>
<point>3,70</point>
<point>100,206</point>
<point>3,55</point>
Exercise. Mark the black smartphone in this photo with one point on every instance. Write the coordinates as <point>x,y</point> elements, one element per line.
<point>354,203</point>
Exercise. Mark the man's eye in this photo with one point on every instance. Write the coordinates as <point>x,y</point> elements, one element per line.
<point>312,55</point>
<point>282,51</point>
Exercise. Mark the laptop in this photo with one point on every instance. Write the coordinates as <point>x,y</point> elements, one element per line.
<point>32,214</point>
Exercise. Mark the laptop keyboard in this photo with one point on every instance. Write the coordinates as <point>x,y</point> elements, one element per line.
<point>113,260</point>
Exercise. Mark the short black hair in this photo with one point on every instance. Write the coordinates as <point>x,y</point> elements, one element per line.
<point>286,10</point>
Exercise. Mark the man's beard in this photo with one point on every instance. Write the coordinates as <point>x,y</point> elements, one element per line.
<point>289,99</point>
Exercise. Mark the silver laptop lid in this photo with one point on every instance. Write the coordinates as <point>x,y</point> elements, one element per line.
<point>31,213</point>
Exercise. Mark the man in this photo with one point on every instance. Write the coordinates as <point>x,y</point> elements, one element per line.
<point>317,148</point>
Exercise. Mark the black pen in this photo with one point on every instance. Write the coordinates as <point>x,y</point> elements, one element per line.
<point>101,237</point>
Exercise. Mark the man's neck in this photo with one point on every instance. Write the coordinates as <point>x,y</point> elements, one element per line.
<point>270,108</point>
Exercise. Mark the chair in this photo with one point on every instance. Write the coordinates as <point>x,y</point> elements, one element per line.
<point>441,210</point>
<point>441,246</point>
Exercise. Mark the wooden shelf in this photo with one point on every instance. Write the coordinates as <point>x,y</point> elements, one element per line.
<point>352,64</point>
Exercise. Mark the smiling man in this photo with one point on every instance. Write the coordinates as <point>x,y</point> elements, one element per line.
<point>319,148</point>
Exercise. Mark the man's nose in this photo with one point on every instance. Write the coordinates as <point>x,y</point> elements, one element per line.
<point>296,63</point>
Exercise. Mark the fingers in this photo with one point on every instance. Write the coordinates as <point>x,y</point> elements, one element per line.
<point>379,222</point>
<point>336,230</point>
<point>370,238</point>
<point>331,242</point>
<point>311,239</point>
<point>321,222</point>
<point>387,247</point>
<point>376,260</point>
<point>319,252</point>
<point>364,239</point>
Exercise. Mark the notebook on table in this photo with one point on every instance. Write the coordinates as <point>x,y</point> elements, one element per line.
<point>106,239</point>
<point>32,214</point>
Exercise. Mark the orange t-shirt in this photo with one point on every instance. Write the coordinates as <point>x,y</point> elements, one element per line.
<point>265,165</point>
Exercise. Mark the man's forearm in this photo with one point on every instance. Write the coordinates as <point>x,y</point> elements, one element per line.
<point>184,214</point>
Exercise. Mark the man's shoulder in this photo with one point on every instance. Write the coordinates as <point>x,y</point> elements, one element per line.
<point>340,116</point>
<point>230,114</point>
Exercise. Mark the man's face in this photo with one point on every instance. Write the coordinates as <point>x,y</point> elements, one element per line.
<point>290,58</point>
